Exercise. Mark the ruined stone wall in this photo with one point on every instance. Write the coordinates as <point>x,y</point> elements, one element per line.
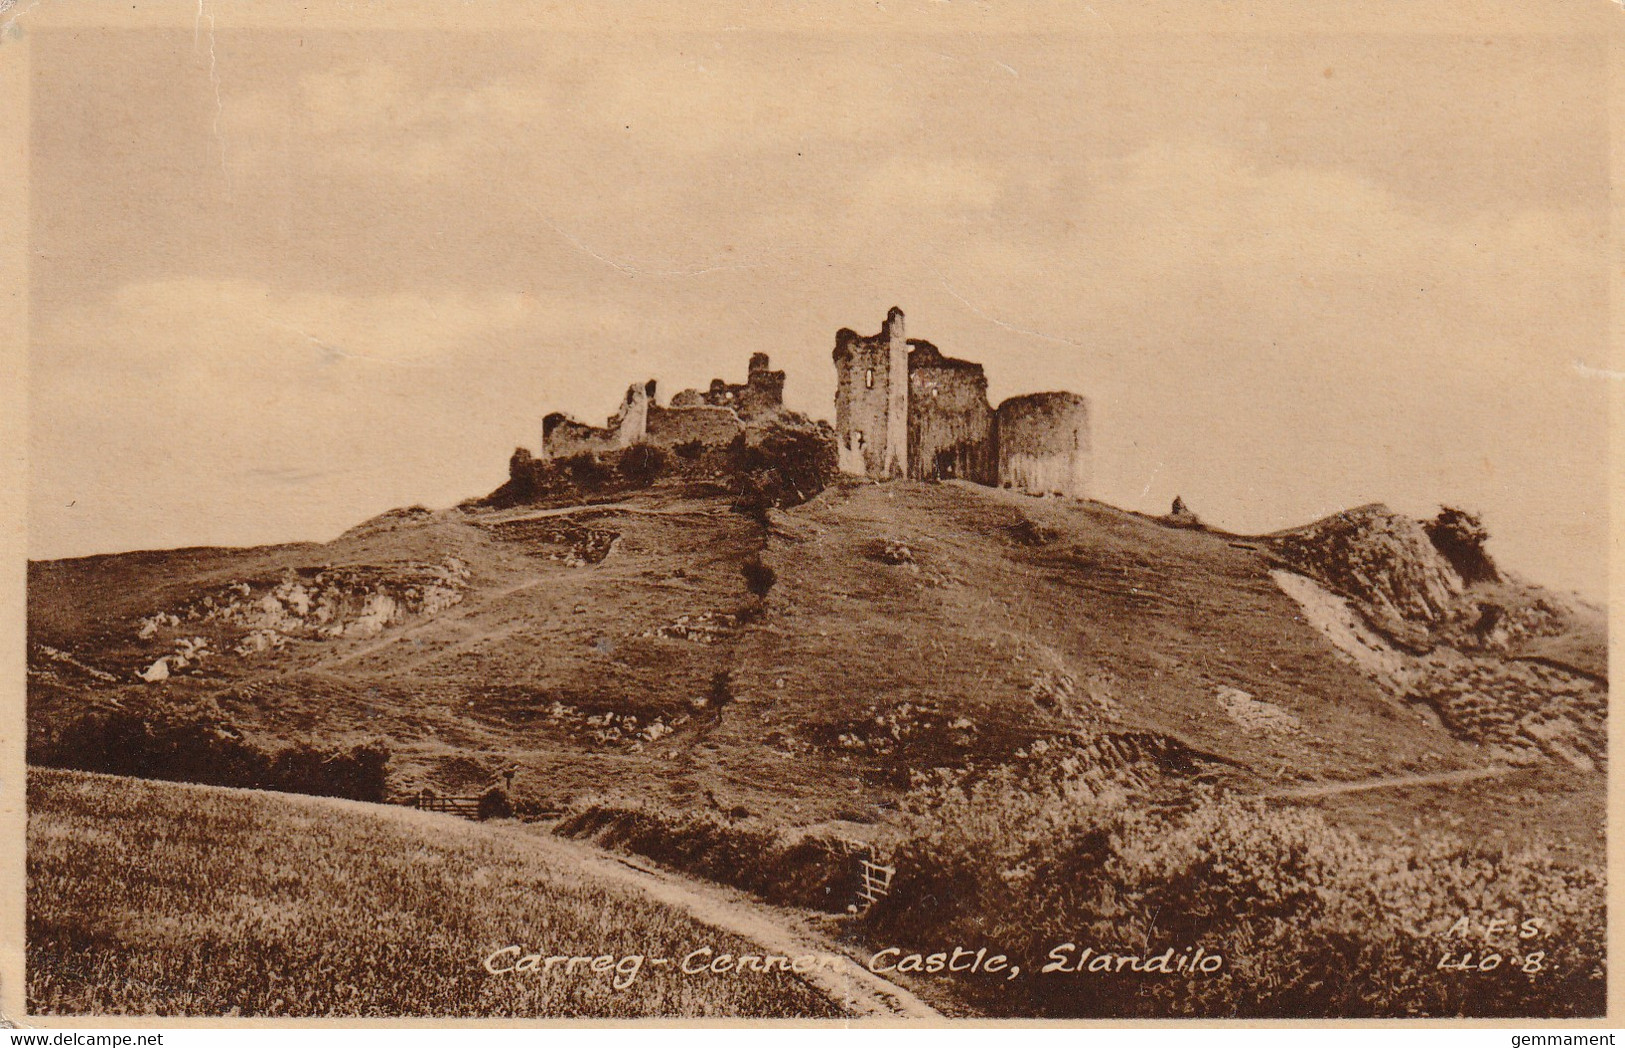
<point>563,436</point>
<point>761,395</point>
<point>632,421</point>
<point>711,426</point>
<point>1043,444</point>
<point>871,400</point>
<point>950,426</point>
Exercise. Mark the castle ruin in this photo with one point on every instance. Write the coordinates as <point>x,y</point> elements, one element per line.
<point>711,418</point>
<point>902,409</point>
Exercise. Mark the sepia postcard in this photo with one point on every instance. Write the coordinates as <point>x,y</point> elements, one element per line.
<point>856,513</point>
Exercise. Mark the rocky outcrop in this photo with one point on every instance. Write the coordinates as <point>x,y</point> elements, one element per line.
<point>1180,516</point>
<point>1379,559</point>
<point>1474,675</point>
<point>247,618</point>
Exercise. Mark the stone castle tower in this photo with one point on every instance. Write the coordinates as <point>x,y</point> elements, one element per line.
<point>903,409</point>
<point>871,399</point>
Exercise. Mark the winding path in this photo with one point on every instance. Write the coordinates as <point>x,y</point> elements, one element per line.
<point>850,985</point>
<point>860,992</point>
<point>1392,782</point>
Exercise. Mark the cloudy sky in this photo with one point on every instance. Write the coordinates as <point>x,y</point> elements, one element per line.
<point>284,279</point>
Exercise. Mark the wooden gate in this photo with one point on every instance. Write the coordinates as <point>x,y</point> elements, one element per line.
<point>876,881</point>
<point>467,807</point>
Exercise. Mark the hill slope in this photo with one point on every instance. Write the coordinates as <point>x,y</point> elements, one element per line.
<point>613,651</point>
<point>353,909</point>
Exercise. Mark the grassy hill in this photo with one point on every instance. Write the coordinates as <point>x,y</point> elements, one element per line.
<point>917,671</point>
<point>210,901</point>
<point>614,652</point>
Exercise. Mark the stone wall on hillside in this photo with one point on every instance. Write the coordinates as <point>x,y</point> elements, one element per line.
<point>710,426</point>
<point>712,418</point>
<point>563,436</point>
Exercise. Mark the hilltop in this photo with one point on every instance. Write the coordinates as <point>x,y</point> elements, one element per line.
<point>1307,753</point>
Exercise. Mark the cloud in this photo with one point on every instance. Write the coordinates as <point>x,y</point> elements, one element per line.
<point>1192,240</point>
<point>209,410</point>
<point>1276,341</point>
<point>1281,294</point>
<point>198,327</point>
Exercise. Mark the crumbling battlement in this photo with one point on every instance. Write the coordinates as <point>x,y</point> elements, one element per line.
<point>761,395</point>
<point>563,436</point>
<point>712,418</point>
<point>902,408</point>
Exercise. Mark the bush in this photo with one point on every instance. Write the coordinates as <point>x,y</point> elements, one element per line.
<point>642,463</point>
<point>1310,921</point>
<point>196,744</point>
<point>358,773</point>
<point>494,804</point>
<point>1459,536</point>
<point>785,467</point>
<point>759,578</point>
<point>722,691</point>
<point>689,449</point>
<point>585,469</point>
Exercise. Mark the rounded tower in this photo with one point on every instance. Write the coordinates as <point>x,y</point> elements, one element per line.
<point>1043,441</point>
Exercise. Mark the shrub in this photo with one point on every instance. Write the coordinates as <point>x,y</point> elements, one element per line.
<point>196,744</point>
<point>759,577</point>
<point>785,467</point>
<point>188,744</point>
<point>138,891</point>
<point>1309,920</point>
<point>722,691</point>
<point>494,804</point>
<point>1459,536</point>
<point>585,469</point>
<point>642,463</point>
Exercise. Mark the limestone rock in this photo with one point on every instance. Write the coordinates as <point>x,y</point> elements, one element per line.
<point>1378,558</point>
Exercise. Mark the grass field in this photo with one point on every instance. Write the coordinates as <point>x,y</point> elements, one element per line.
<point>151,898</point>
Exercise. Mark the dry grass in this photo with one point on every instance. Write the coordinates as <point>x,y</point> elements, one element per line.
<point>163,899</point>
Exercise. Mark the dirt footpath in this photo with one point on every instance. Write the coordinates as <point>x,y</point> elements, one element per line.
<point>850,985</point>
